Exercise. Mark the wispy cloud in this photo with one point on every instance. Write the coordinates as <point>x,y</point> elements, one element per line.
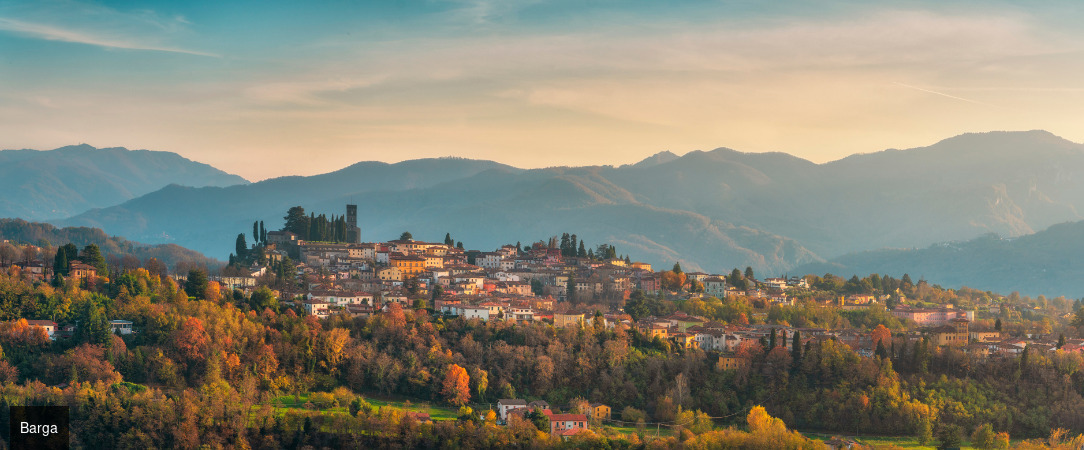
<point>54,33</point>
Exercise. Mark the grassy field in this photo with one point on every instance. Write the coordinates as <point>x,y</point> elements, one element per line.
<point>884,441</point>
<point>288,402</point>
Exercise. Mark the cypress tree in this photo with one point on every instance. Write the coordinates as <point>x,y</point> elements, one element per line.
<point>241,247</point>
<point>796,347</point>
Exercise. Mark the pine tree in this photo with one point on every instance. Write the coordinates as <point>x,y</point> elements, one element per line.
<point>677,267</point>
<point>296,222</point>
<point>263,233</point>
<point>256,232</point>
<point>583,251</point>
<point>771,340</point>
<point>92,256</point>
<point>448,239</point>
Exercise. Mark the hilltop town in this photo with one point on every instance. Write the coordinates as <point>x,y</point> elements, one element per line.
<point>579,344</point>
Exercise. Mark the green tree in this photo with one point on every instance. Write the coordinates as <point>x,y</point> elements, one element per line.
<point>949,436</point>
<point>196,284</point>
<point>540,421</point>
<point>406,236</point>
<point>448,239</point>
<point>60,267</point>
<point>297,222</point>
<point>677,267</point>
<point>925,431</point>
<point>636,306</point>
<point>749,273</point>
<point>241,247</point>
<point>582,253</point>
<point>92,256</point>
<point>984,437</point>
<point>92,326</point>
<point>263,298</point>
<point>263,233</point>
<point>796,348</point>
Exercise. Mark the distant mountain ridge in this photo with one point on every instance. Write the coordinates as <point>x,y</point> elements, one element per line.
<point>1045,263</point>
<point>58,183</point>
<point>712,210</point>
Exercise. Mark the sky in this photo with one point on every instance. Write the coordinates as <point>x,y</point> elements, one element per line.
<point>269,88</point>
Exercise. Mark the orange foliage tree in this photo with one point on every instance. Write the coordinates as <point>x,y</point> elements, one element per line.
<point>457,385</point>
<point>191,339</point>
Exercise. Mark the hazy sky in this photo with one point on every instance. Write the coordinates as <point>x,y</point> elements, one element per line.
<point>268,88</point>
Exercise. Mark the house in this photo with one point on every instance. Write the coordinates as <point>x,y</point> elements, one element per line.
<point>562,423</point>
<point>279,237</point>
<point>389,274</point>
<point>538,404</point>
<point>506,404</point>
<point>79,271</point>
<point>317,308</point>
<point>408,265</point>
<point>474,312</point>
<point>121,326</point>
<point>599,411</point>
<point>568,319</point>
<point>686,340</point>
<point>48,325</point>
<point>955,334</point>
<point>715,287</point>
<point>731,362</point>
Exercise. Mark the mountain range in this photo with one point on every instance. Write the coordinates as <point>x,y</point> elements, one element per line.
<point>710,210</point>
<point>1045,263</point>
<point>63,182</point>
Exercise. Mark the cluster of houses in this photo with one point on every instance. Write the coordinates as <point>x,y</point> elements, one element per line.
<point>510,283</point>
<point>563,425</point>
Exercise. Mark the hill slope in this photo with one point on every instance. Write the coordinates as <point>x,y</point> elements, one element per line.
<point>1046,263</point>
<point>23,232</point>
<point>69,180</point>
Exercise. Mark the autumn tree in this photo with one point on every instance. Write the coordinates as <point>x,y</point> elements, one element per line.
<point>456,385</point>
<point>191,340</point>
